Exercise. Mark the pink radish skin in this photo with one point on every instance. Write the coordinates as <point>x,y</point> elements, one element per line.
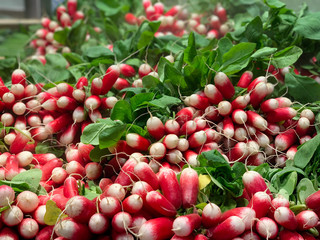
<point>137,142</point>
<point>145,173</point>
<point>121,83</point>
<point>213,94</point>
<point>68,136</point>
<point>228,127</point>
<point>43,158</point>
<point>257,121</point>
<point>313,200</point>
<point>228,229</point>
<point>48,167</point>
<point>188,128</point>
<point>224,108</point>
<point>127,71</point>
<point>200,237</point>
<point>12,216</point>
<point>24,158</point>
<point>115,190</point>
<point>157,151</point>
<point>245,213</point>
<point>308,114</point>
<point>184,115</point>
<point>126,175</point>
<point>66,103</point>
<point>183,226</point>
<point>20,141</point>
<point>160,204</point>
<point>92,103</point>
<point>183,144</point>
<point>286,218</point>
<point>141,188</point>
<point>239,116</point>
<point>302,127</point>
<point>269,105</point>
<point>172,126</point>
<point>111,76</point>
<point>284,102</point>
<point>96,86</point>
<point>170,187</point>
<point>253,182</point>
<point>70,229</point>
<point>267,228</point>
<point>224,85</point>
<point>239,152</point>
<point>307,219</point>
<point>281,114</point>
<point>59,123</point>
<point>285,140</point>
<point>189,182</point>
<point>18,76</point>
<point>198,101</point>
<point>44,233</point>
<point>7,119</point>
<point>307,236</point>
<point>121,222</point>
<point>81,83</point>
<point>156,229</point>
<point>65,89</point>
<point>39,213</point>
<point>258,94</point>
<point>79,95</point>
<point>28,228</point>
<point>12,167</point>
<point>260,202</point>
<point>27,201</point>
<point>255,82</point>
<point>70,187</point>
<point>132,204</point>
<point>249,235</point>
<point>109,206</point>
<point>98,223</point>
<point>7,195</point>
<point>93,170</point>
<point>288,235</point>
<point>144,70</point>
<point>174,156</point>
<point>8,234</point>
<point>171,141</point>
<point>155,127</point>
<point>211,215</point>
<point>80,209</point>
<point>137,222</point>
<point>245,79</point>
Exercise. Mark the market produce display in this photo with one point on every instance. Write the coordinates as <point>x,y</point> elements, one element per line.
<point>163,136</point>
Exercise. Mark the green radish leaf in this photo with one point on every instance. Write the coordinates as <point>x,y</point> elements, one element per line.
<point>141,99</point>
<point>275,3</point>
<point>286,57</point>
<point>302,89</point>
<point>53,214</point>
<point>190,52</point>
<point>110,8</point>
<point>16,186</point>
<point>288,185</point>
<point>61,36</point>
<point>31,177</point>
<point>96,154</point>
<point>224,45</point>
<point>264,52</point>
<point>14,45</point>
<point>309,26</point>
<point>111,135</point>
<point>93,191</point>
<point>150,82</point>
<point>73,58</point>
<point>174,75</point>
<point>254,30</point>
<point>77,35</point>
<point>304,189</point>
<point>98,51</point>
<point>306,151</point>
<point>165,101</point>
<point>47,147</point>
<point>237,58</point>
<point>145,34</point>
<point>122,111</point>
<point>121,49</point>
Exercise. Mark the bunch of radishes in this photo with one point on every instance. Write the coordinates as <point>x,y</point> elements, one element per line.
<point>44,42</point>
<point>178,21</point>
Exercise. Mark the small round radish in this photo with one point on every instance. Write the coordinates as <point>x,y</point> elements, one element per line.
<point>98,223</point>
<point>7,195</point>
<point>285,217</point>
<point>70,229</point>
<point>80,209</point>
<point>27,201</point>
<point>224,85</point>
<point>12,216</point>
<point>109,206</point>
<point>93,170</point>
<point>39,213</point>
<point>132,203</point>
<point>137,142</point>
<point>189,182</point>
<point>174,156</point>
<point>157,150</point>
<point>121,222</point>
<point>28,228</point>
<point>24,158</point>
<point>229,228</point>
<point>267,228</point>
<point>172,126</point>
<point>224,108</point>
<point>185,225</point>
<point>155,127</point>
<point>156,229</point>
<point>59,175</point>
<point>307,219</point>
<point>211,215</point>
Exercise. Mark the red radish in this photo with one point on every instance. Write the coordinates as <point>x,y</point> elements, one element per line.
<point>12,167</point>
<point>24,158</point>
<point>285,217</point>
<point>285,140</point>
<point>80,15</point>
<point>127,71</point>
<point>257,159</point>
<point>307,219</point>
<point>308,114</point>
<point>76,169</point>
<point>18,76</point>
<point>80,209</point>
<point>96,86</point>
<point>256,121</point>
<point>239,116</point>
<point>115,190</point>
<point>291,152</point>
<point>281,114</point>
<point>132,204</point>
<point>228,127</point>
<point>131,19</point>
<point>187,128</point>
<point>189,182</point>
<point>211,215</point>
<point>121,222</point>
<point>288,235</point>
<point>34,120</point>
<point>170,186</point>
<point>112,74</point>
<point>156,229</point>
<point>137,221</point>
<point>70,187</point>
<point>279,201</point>
<point>43,158</point>
<point>241,102</point>
<point>269,105</point>
<point>307,236</point>
<point>249,235</point>
<point>72,7</point>
<point>19,108</point>
<point>183,226</point>
<point>224,108</point>
<point>27,201</point>
<point>174,156</point>
<point>183,144</point>
<point>67,103</point>
<point>12,216</point>
<point>239,152</point>
<point>65,89</point>
<point>9,138</point>
<point>28,228</point>
<point>284,102</point>
<point>65,20</point>
<point>95,115</point>
<point>160,204</point>
<point>302,127</point>
<point>262,139</point>
<point>30,90</point>
<point>59,175</point>
<point>109,206</point>
<point>144,70</point>
<point>98,223</point>
<point>121,83</point>
<point>79,114</point>
<point>245,213</point>
<point>253,182</point>
<point>81,83</point>
<point>260,202</point>
<point>201,123</point>
<point>224,85</point>
<point>198,101</point>
<point>171,141</point>
<point>258,94</point>
<point>7,195</point>
<point>267,228</point>
<point>60,9</point>
<point>212,34</point>
<point>109,102</point>
<point>184,115</point>
<point>228,229</point>
<point>255,82</point>
<point>137,83</point>
<point>157,151</point>
<point>155,127</point>
<point>70,229</point>
<point>17,90</point>
<point>93,170</point>
<point>59,123</point>
<point>79,95</point>
<point>48,167</point>
<point>44,233</point>
<point>245,79</point>
<point>173,11</point>
<point>7,119</point>
<point>313,200</point>
<point>93,102</point>
<point>197,139</point>
<point>137,142</point>
<point>145,173</point>
<point>8,99</point>
<point>172,126</point>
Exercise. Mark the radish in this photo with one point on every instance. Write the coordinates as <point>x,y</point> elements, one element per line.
<point>48,167</point>
<point>281,114</point>
<point>145,173</point>
<point>170,187</point>
<point>12,167</point>
<point>302,127</point>
<point>307,236</point>
<point>255,82</point>
<point>155,127</point>
<point>308,114</point>
<point>249,235</point>
<point>144,70</point>
<point>285,140</point>
<point>79,114</point>
<point>239,152</point>
<point>70,187</point>
<point>213,94</point>
<point>44,233</point>
<point>7,119</point>
<point>80,209</point>
<point>67,103</point>
<point>112,74</point>
<point>121,222</point>
<point>72,7</point>
<point>245,79</point>
<point>17,90</point>
<point>70,229</point>
<point>307,219</point>
<point>137,222</point>
<point>198,101</point>
<point>109,102</point>
<point>189,182</point>
<point>33,105</point>
<point>131,19</point>
<point>8,234</point>
<point>239,116</point>
<point>313,200</point>
<point>284,102</point>
<point>8,99</point>
<point>256,121</point>
<point>43,158</point>
<point>76,169</point>
<point>160,204</point>
<point>228,229</point>
<point>184,115</point>
<point>137,83</point>
<point>12,216</point>
<point>260,203</point>
<point>224,108</point>
<point>184,225</point>
<point>79,95</point>
<point>27,201</point>
<point>9,138</point>
<point>200,237</point>
<point>109,206</point>
<point>245,213</point>
<point>157,151</point>
<point>211,215</point>
<point>24,158</point>
<point>18,76</point>
<point>253,182</point>
<point>115,190</point>
<point>267,228</point>
<point>183,144</point>
<point>269,105</point>
<point>7,195</point>
<point>137,142</point>
<point>224,85</point>
<point>172,126</point>
<point>59,123</point>
<point>93,170</point>
<point>171,141</point>
<point>96,86</point>
<point>188,128</point>
<point>132,204</point>
<point>126,175</point>
<point>286,234</point>
<point>34,120</point>
<point>156,229</point>
<point>65,89</point>
<point>228,127</point>
<point>286,218</point>
<point>39,213</point>
<point>174,156</point>
<point>65,20</point>
<point>98,223</point>
<point>28,228</point>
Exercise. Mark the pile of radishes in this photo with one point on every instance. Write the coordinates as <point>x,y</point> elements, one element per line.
<point>44,41</point>
<point>178,21</point>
